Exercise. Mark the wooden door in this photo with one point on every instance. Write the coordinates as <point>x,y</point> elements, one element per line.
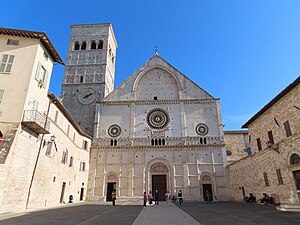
<point>110,187</point>
<point>297,179</point>
<point>62,192</point>
<point>207,187</point>
<point>159,182</point>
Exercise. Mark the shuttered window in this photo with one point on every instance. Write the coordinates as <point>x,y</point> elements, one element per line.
<point>287,128</point>
<point>42,76</point>
<point>271,138</point>
<point>258,144</point>
<point>6,63</point>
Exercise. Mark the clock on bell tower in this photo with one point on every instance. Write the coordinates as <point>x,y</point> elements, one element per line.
<point>89,72</point>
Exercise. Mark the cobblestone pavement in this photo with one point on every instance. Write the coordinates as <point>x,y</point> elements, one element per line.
<point>234,213</point>
<point>223,213</point>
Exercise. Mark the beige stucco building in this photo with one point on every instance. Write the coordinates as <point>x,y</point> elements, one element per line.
<point>40,138</point>
<point>274,166</point>
<point>160,131</point>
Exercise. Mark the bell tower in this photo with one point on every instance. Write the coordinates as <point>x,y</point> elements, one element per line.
<point>89,72</point>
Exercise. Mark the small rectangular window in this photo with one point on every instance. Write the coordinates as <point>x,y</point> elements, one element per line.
<point>271,138</point>
<point>266,179</point>
<point>82,166</point>
<point>55,118</point>
<point>12,42</point>
<point>85,145</point>
<point>6,63</point>
<point>258,144</point>
<point>1,95</point>
<point>287,128</point>
<point>64,157</point>
<point>68,130</point>
<point>279,176</point>
<point>49,148</point>
<point>155,98</point>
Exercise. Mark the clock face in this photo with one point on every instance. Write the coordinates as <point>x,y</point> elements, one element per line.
<point>86,96</point>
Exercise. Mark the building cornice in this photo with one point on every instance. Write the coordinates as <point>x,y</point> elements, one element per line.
<point>160,102</point>
<point>159,148</point>
<point>42,36</point>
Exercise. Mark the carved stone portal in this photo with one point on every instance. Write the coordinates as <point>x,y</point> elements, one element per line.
<point>159,168</point>
<point>111,177</point>
<point>206,179</point>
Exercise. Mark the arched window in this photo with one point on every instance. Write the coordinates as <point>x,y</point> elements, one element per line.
<point>111,142</point>
<point>155,141</point>
<point>100,45</point>
<point>115,142</point>
<point>81,79</point>
<point>204,140</point>
<point>152,142</point>
<point>201,141</point>
<point>76,46</point>
<point>163,142</point>
<point>71,161</point>
<point>295,159</point>
<point>83,46</point>
<point>159,141</point>
<point>93,45</point>
<point>228,153</point>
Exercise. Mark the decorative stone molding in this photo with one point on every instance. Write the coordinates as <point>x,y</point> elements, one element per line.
<point>114,130</point>
<point>202,129</point>
<point>158,118</point>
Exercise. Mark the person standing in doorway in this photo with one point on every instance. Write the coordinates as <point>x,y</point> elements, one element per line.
<point>208,197</point>
<point>156,198</point>
<point>180,199</point>
<point>145,198</point>
<point>113,197</point>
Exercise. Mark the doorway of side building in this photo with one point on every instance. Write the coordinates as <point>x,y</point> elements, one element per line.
<point>62,192</point>
<point>159,182</point>
<point>110,187</point>
<point>81,194</point>
<point>207,187</point>
<point>297,181</point>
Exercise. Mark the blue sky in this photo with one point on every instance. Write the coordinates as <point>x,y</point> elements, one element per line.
<point>241,51</point>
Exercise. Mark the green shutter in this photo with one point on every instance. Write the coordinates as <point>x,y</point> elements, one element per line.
<point>38,72</point>
<point>46,78</point>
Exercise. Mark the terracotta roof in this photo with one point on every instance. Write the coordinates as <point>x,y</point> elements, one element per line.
<point>65,112</point>
<point>42,36</point>
<point>272,102</point>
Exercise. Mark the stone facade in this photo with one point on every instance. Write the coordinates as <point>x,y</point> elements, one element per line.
<point>158,131</point>
<point>274,166</point>
<point>27,121</point>
<point>89,72</point>
<point>237,145</point>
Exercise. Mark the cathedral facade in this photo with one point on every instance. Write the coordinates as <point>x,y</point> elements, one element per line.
<point>157,131</point>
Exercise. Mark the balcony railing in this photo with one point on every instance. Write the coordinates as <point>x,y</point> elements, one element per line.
<point>36,121</point>
<point>166,141</point>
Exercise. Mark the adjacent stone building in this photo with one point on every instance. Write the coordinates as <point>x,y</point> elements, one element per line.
<point>89,72</point>
<point>274,166</point>
<point>160,131</point>
<point>40,137</point>
<point>237,145</point>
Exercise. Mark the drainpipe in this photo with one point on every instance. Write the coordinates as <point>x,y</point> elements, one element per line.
<point>38,155</point>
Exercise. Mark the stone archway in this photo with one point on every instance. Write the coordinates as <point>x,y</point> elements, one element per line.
<point>159,177</point>
<point>206,184</point>
<point>111,183</point>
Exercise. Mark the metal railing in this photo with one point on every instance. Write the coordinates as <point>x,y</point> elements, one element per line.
<point>37,119</point>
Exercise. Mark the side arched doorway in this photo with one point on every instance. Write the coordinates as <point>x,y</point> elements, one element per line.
<point>206,187</point>
<point>111,184</point>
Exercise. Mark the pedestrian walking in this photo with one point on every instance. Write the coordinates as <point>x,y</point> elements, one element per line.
<point>168,199</point>
<point>180,199</point>
<point>113,197</point>
<point>156,198</point>
<point>145,198</point>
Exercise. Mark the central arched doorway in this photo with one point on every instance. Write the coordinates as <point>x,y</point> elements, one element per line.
<point>159,176</point>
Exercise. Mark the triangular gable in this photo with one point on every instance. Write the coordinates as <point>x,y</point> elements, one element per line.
<point>187,88</point>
